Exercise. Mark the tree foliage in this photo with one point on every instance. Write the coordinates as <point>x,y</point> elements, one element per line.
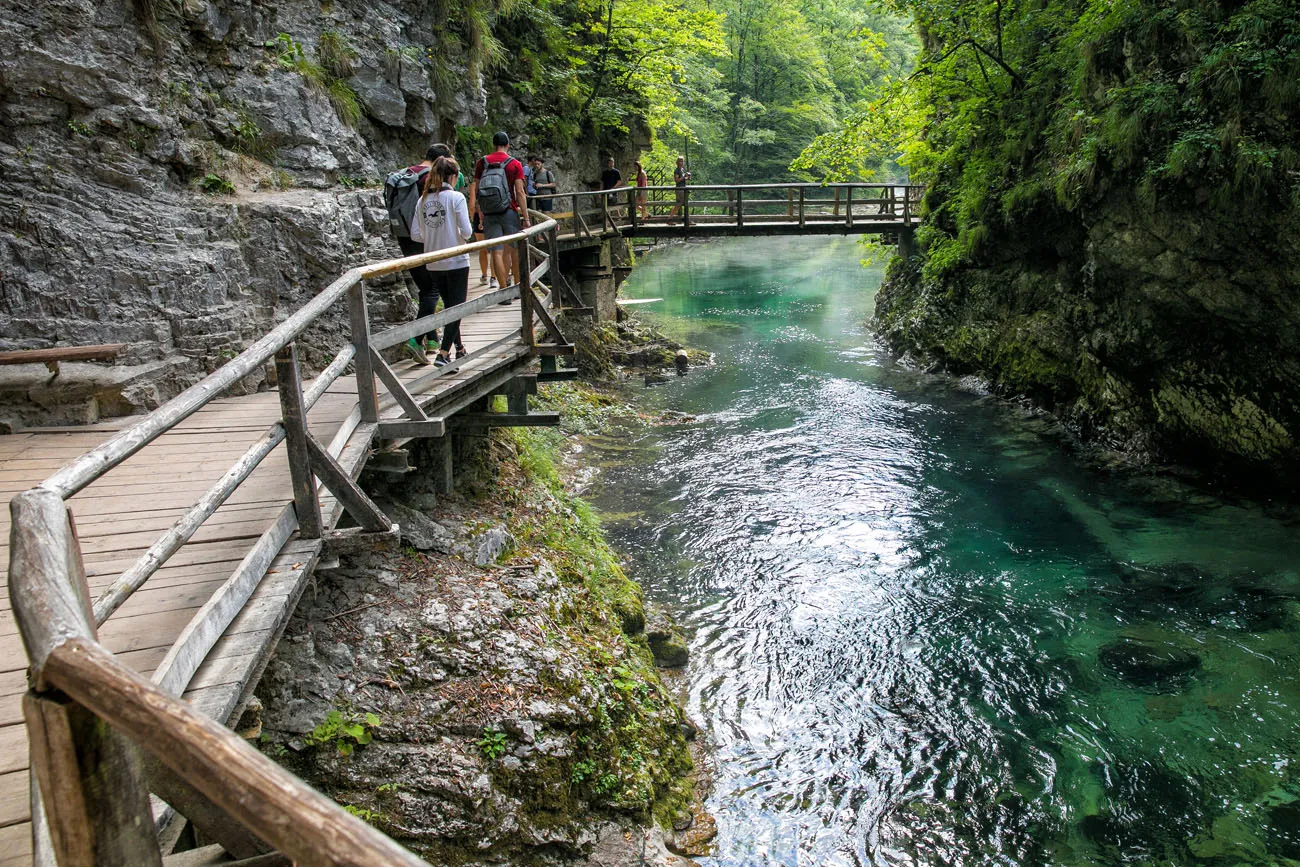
<point>741,86</point>
<point>1021,110</point>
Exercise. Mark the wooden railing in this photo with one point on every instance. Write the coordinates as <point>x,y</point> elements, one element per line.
<point>94,723</point>
<point>810,207</point>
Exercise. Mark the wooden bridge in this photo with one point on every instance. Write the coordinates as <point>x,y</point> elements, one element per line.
<point>735,210</point>
<point>154,563</point>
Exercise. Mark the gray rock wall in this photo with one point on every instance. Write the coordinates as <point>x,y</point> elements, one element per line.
<point>109,137</point>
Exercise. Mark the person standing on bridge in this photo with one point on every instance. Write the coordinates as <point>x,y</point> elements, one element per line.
<point>680,178</point>
<point>642,181</point>
<point>611,177</point>
<point>402,191</point>
<point>497,193</point>
<point>441,222</point>
<point>544,180</point>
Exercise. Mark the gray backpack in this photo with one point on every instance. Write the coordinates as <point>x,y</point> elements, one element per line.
<point>494,196</point>
<point>401,192</point>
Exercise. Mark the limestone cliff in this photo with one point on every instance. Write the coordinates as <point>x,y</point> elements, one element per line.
<point>178,175</point>
<point>1115,232</point>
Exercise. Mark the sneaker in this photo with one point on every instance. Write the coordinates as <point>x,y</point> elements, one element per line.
<point>441,361</point>
<point>494,284</point>
<point>508,301</point>
<point>460,351</point>
<point>482,279</point>
<point>417,351</point>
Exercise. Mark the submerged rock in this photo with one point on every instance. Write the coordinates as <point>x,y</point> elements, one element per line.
<point>1147,663</point>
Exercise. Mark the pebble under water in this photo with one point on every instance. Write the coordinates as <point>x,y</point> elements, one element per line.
<point>923,632</point>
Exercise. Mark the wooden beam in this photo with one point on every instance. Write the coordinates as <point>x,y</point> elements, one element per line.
<point>305,502</point>
<point>95,803</point>
<point>359,321</point>
<point>396,388</point>
<point>526,298</point>
<point>554,349</point>
<point>215,823</point>
<point>341,485</point>
<point>558,375</point>
<point>402,333</point>
<point>506,419</point>
<point>268,800</point>
<point>189,650</point>
<point>397,430</point>
<point>545,316</point>
<point>55,354</point>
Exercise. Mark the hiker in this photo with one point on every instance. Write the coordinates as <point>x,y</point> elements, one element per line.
<point>642,181</point>
<point>442,221</point>
<point>402,190</point>
<point>680,177</point>
<point>498,194</point>
<point>529,167</point>
<point>544,181</point>
<point>611,177</point>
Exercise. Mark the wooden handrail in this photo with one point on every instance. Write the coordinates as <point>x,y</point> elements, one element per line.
<point>255,791</point>
<point>76,475</point>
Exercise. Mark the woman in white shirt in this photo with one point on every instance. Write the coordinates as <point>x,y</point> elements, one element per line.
<point>442,221</point>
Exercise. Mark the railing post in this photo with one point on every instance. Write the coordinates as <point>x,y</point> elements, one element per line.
<point>907,206</point>
<point>305,500</point>
<point>789,203</point>
<point>88,794</point>
<point>801,208</point>
<point>686,208</point>
<point>526,293</point>
<point>359,319</point>
<point>848,206</point>
<point>835,191</point>
<point>740,208</point>
<point>632,193</point>
<point>604,213</point>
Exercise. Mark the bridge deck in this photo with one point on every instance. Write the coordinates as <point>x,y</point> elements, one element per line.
<point>124,512</point>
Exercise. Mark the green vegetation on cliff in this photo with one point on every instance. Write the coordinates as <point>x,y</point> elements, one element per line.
<point>1113,219</point>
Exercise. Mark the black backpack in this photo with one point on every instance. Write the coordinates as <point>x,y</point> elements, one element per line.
<point>401,193</point>
<point>494,196</point>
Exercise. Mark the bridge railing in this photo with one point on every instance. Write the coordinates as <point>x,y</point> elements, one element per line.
<point>93,722</point>
<point>785,205</point>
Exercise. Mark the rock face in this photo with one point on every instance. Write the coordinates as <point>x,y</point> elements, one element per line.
<point>487,712</point>
<point>115,130</point>
<point>1171,333</point>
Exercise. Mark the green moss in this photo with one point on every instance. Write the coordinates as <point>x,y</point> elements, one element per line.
<point>631,755</point>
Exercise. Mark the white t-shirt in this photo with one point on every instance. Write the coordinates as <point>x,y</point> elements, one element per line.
<point>442,221</point>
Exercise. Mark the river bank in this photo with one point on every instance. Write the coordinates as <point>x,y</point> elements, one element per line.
<point>488,693</point>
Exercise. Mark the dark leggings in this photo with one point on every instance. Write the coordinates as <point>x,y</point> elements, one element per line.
<point>423,278</point>
<point>453,286</point>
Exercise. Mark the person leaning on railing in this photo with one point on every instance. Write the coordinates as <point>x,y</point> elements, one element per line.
<point>441,222</point>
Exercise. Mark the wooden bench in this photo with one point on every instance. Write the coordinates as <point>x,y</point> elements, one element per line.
<point>52,356</point>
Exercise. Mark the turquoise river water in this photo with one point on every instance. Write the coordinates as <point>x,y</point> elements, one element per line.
<point>923,631</point>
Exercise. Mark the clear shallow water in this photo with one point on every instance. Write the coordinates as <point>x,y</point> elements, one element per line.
<point>924,633</point>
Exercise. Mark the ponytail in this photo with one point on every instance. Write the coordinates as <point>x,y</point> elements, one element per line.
<point>444,171</point>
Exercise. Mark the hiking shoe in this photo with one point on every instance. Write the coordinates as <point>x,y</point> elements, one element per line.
<point>441,361</point>
<point>417,351</point>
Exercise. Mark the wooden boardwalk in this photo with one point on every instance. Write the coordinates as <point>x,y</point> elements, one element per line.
<point>120,515</point>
